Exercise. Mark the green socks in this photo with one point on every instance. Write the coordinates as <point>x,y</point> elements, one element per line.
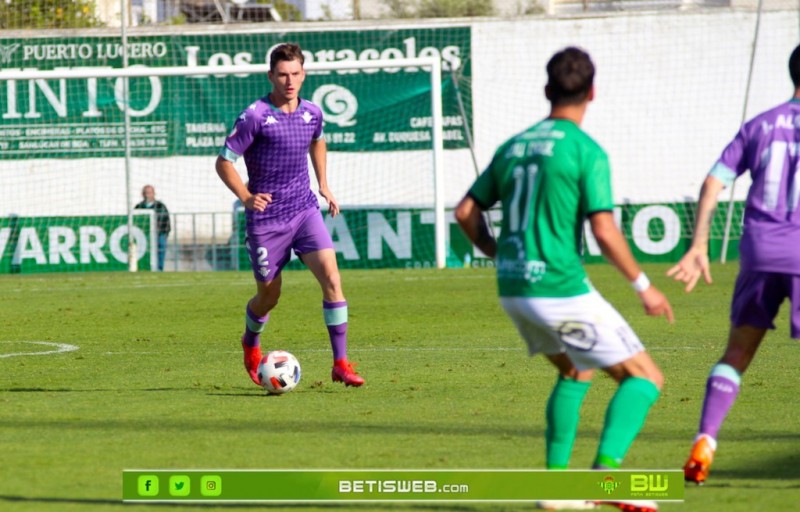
<point>563,414</point>
<point>624,419</point>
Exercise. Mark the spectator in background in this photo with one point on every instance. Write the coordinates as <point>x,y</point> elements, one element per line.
<point>163,226</point>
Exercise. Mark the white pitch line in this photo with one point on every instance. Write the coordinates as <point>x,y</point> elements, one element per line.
<point>60,348</point>
<point>398,349</point>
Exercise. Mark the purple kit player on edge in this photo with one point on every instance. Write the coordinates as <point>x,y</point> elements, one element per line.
<point>276,135</point>
<point>767,146</point>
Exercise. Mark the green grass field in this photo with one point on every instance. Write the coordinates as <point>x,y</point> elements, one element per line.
<point>157,382</point>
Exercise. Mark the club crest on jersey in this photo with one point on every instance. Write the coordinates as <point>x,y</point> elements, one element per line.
<point>307,117</point>
<point>271,120</point>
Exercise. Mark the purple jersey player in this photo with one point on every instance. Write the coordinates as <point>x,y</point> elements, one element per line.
<point>767,146</point>
<point>276,135</point>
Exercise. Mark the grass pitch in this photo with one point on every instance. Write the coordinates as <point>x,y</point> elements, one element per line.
<point>157,382</point>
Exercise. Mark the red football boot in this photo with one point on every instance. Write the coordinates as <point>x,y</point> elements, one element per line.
<point>343,371</point>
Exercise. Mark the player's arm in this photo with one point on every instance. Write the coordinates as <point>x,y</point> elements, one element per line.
<point>695,262</point>
<point>616,250</point>
<point>470,217</point>
<point>227,173</point>
<point>318,151</point>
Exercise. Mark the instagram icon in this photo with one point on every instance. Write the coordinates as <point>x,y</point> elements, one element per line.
<point>211,485</point>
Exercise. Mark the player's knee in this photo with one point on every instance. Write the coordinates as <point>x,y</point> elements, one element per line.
<point>267,301</point>
<point>656,377</point>
<point>332,283</point>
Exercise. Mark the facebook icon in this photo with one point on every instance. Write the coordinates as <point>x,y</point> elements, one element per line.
<point>147,485</point>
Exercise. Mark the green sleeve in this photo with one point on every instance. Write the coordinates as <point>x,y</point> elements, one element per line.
<point>485,190</point>
<point>596,191</point>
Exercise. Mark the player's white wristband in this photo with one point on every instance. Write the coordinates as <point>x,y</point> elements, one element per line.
<point>641,283</point>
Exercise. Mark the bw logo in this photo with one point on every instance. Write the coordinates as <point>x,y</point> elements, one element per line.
<point>649,483</point>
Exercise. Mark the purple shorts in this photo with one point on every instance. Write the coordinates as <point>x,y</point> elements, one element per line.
<point>270,245</point>
<point>757,298</point>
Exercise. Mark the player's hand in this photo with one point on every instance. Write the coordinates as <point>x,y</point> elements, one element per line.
<point>333,204</point>
<point>689,269</point>
<point>656,304</point>
<point>258,202</point>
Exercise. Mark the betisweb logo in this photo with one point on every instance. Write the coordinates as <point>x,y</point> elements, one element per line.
<point>339,105</point>
<point>6,52</point>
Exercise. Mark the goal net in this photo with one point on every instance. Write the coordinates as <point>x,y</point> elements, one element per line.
<point>69,179</point>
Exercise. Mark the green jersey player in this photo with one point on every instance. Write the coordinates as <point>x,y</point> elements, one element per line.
<point>549,179</point>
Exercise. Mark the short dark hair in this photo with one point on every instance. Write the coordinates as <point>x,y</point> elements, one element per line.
<point>570,76</point>
<point>285,52</point>
<point>794,67</point>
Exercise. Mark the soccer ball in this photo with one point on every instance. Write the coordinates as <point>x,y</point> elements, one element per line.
<point>279,372</point>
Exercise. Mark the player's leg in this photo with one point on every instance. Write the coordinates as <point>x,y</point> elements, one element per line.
<point>595,335</point>
<point>315,247</point>
<point>722,388</point>
<point>256,317</point>
<point>532,318</point>
<point>334,312</point>
<point>162,250</point>
<point>562,413</point>
<point>269,252</point>
<point>620,353</point>
<point>563,410</point>
<point>756,300</point>
<point>640,382</point>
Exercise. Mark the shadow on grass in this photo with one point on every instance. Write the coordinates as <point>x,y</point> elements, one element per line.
<point>248,392</point>
<point>356,507</point>
<point>346,426</point>
<point>775,469</point>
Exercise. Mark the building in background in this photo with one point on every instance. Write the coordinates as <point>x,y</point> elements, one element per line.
<point>311,10</point>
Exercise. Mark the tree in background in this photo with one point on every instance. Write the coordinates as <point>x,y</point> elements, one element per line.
<point>44,14</point>
<point>287,11</point>
<point>439,8</point>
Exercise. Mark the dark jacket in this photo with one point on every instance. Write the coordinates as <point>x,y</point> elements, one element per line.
<point>162,215</point>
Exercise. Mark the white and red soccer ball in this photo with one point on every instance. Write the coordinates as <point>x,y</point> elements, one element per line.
<point>279,372</point>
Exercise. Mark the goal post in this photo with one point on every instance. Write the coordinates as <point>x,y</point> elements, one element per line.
<point>413,179</point>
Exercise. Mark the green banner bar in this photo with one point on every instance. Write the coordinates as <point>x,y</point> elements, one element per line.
<point>380,109</point>
<point>399,485</point>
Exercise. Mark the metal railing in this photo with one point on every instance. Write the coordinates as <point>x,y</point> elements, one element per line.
<point>203,241</point>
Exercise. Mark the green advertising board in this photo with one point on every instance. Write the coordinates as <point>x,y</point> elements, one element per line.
<point>403,238</point>
<point>363,238</point>
<point>70,244</point>
<point>379,109</point>
<point>374,238</point>
<point>663,232</point>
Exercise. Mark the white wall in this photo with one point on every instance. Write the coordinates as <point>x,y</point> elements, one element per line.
<point>670,88</point>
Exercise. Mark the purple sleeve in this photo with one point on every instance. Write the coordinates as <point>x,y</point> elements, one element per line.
<point>318,131</point>
<point>733,156</point>
<point>244,131</point>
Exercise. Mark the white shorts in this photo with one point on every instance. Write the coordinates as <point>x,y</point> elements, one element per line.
<point>587,328</point>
